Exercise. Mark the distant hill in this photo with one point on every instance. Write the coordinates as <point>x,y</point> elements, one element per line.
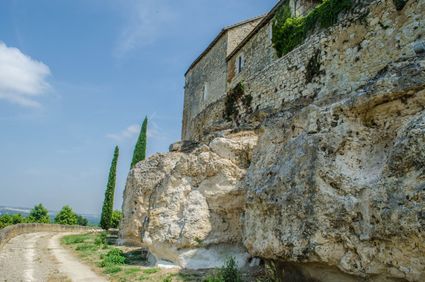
<point>92,218</point>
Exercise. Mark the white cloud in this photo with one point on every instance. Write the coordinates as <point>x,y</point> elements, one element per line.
<point>22,79</point>
<point>147,20</point>
<point>127,133</point>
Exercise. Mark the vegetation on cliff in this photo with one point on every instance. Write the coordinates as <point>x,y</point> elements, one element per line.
<point>108,203</point>
<point>290,32</point>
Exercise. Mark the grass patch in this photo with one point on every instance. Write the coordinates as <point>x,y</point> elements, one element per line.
<point>112,269</point>
<point>150,270</point>
<point>75,239</point>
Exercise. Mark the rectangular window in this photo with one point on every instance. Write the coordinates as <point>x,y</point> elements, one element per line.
<point>240,63</point>
<point>205,92</point>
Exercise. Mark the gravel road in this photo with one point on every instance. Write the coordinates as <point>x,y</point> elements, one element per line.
<point>40,257</point>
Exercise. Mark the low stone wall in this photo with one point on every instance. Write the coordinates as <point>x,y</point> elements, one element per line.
<point>9,232</point>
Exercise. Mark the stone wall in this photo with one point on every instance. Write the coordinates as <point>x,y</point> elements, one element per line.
<point>348,54</point>
<point>206,80</point>
<point>210,72</point>
<point>9,232</point>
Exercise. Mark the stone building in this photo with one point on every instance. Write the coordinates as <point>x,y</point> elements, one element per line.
<point>208,77</point>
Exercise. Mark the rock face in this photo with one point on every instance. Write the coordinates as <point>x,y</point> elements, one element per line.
<point>342,184</point>
<point>186,206</point>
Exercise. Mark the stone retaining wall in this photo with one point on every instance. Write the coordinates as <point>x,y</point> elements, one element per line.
<point>9,232</point>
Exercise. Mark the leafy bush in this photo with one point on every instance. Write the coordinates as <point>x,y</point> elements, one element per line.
<point>228,273</point>
<point>82,220</point>
<point>7,219</point>
<point>39,214</point>
<point>289,32</point>
<point>113,257</point>
<point>66,216</point>
<point>116,218</point>
<point>101,239</point>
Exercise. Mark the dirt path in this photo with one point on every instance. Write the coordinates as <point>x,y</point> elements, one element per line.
<point>40,257</point>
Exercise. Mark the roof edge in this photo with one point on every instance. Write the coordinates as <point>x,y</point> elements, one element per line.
<point>261,24</point>
<point>217,38</point>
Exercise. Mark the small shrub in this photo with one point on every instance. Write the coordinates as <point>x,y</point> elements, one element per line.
<point>313,67</point>
<point>113,257</point>
<point>228,273</point>
<point>116,218</point>
<point>169,278</point>
<point>399,4</point>
<point>101,239</point>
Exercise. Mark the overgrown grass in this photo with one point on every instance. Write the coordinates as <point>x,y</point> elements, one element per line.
<point>116,264</point>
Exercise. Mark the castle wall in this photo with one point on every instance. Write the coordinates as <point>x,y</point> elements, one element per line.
<point>348,56</point>
<point>209,72</point>
<point>206,81</point>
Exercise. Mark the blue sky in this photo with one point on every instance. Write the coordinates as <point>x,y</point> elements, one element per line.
<point>78,76</point>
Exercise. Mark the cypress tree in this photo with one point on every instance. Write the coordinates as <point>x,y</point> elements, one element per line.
<point>140,148</point>
<point>108,203</point>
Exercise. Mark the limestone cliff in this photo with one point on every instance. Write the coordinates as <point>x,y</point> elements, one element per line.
<point>325,177</point>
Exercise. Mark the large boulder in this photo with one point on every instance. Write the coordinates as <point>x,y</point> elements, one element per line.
<point>185,206</point>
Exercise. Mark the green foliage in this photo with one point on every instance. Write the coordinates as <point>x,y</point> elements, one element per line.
<point>139,153</point>
<point>290,32</point>
<point>82,220</point>
<point>7,219</point>
<point>112,269</point>
<point>233,97</point>
<point>151,270</point>
<point>66,216</point>
<point>399,4</point>
<point>39,214</point>
<point>116,218</point>
<point>101,239</point>
<point>169,278</point>
<point>113,257</point>
<point>108,203</point>
<point>228,273</point>
<point>75,239</point>
<point>313,67</point>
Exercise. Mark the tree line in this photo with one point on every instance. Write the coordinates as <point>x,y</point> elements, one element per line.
<point>66,216</point>
<point>39,214</point>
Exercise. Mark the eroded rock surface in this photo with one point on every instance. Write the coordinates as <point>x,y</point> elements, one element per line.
<point>342,184</point>
<point>186,207</point>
